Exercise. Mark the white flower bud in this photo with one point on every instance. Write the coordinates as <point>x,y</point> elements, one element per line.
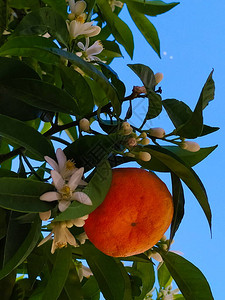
<point>132,142</point>
<point>139,90</point>
<point>190,146</point>
<point>143,135</point>
<point>158,77</point>
<point>84,125</point>
<point>157,132</point>
<point>71,16</point>
<point>145,156</point>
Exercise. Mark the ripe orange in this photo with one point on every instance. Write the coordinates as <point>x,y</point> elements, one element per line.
<point>134,215</point>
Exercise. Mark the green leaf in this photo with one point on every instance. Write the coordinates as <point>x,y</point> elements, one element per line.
<point>146,28</point>
<point>88,150</point>
<point>164,277</point>
<point>72,131</point>
<point>147,275</point>
<point>4,148</point>
<point>24,195</point>
<point>3,15</point>
<point>111,275</point>
<point>59,274</point>
<point>41,21</point>
<point>111,74</point>
<point>41,95</point>
<point>72,285</point>
<point>145,74</point>
<point>7,285</point>
<point>94,73</point>
<point>154,105</point>
<point>190,158</point>
<point>32,141</point>
<point>178,112</point>
<point>151,8</point>
<point>77,87</point>
<point>194,126</point>
<point>21,4</point>
<point>183,171</point>
<point>59,6</point>
<point>29,46</point>
<point>96,189</point>
<point>178,203</point>
<point>25,248</point>
<point>90,289</point>
<point>119,29</point>
<point>188,277</point>
<point>208,129</point>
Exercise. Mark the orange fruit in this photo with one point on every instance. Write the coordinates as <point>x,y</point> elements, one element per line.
<point>134,215</point>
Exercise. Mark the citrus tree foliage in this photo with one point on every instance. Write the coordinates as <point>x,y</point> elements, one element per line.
<point>55,80</point>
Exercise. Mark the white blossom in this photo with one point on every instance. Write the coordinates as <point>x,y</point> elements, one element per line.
<point>78,27</point>
<point>190,146</point>
<point>114,3</point>
<point>88,53</point>
<point>66,191</point>
<point>77,8</point>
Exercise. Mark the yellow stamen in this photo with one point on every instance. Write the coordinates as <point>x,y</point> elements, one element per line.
<point>80,19</point>
<point>66,192</point>
<point>70,165</point>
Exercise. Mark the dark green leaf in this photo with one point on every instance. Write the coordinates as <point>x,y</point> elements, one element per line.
<point>111,275</point>
<point>59,274</point>
<point>183,171</point>
<point>32,141</point>
<point>164,277</point>
<point>88,150</point>
<point>145,74</point>
<point>154,105</point>
<point>96,189</point>
<point>147,275</point>
<point>109,126</point>
<point>29,46</point>
<point>7,285</point>
<point>119,29</point>
<point>59,6</point>
<point>208,129</point>
<point>3,15</point>
<point>4,148</point>
<point>75,84</point>
<point>111,74</point>
<point>194,126</point>
<point>178,203</point>
<point>72,131</point>
<point>20,4</point>
<point>41,21</point>
<point>90,289</point>
<point>25,248</point>
<point>35,263</point>
<point>146,28</point>
<point>188,277</point>
<point>72,285</point>
<point>23,195</point>
<point>94,73</point>
<point>190,158</point>
<point>40,94</point>
<point>178,112</point>
<point>151,8</point>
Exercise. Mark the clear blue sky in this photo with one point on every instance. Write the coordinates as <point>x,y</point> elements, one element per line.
<point>192,35</point>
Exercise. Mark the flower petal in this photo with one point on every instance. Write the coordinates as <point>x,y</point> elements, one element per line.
<point>63,205</point>
<point>78,222</point>
<point>57,180</point>
<point>70,238</point>
<point>61,157</point>
<point>81,46</point>
<point>50,196</point>
<point>79,7</point>
<point>75,178</point>
<point>44,216</point>
<point>52,163</point>
<point>82,198</point>
<point>48,237</point>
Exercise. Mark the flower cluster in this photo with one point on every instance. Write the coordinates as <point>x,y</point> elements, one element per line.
<point>78,27</point>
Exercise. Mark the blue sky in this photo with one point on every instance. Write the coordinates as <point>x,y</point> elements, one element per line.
<point>192,43</point>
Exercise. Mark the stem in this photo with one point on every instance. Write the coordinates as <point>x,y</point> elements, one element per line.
<point>11,154</point>
<point>30,167</point>
<point>59,140</point>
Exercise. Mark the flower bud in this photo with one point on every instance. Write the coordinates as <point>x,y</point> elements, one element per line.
<point>84,125</point>
<point>139,90</point>
<point>143,135</point>
<point>145,156</point>
<point>132,142</point>
<point>126,128</point>
<point>190,146</point>
<point>145,141</point>
<point>158,77</point>
<point>157,132</point>
<point>44,216</point>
